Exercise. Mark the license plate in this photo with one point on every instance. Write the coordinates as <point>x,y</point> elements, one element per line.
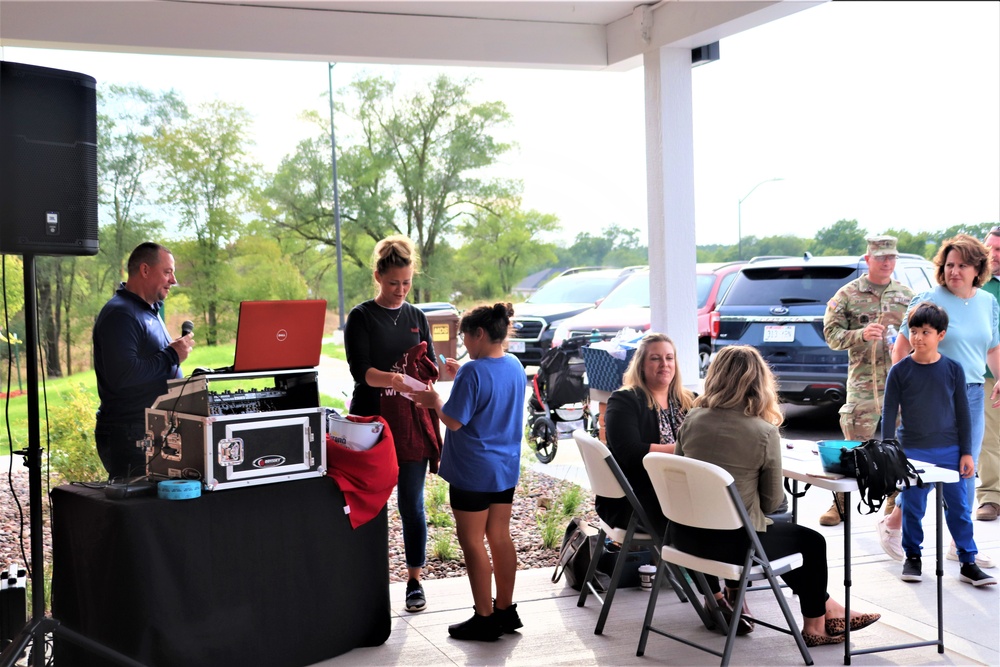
<point>515,346</point>
<point>779,334</point>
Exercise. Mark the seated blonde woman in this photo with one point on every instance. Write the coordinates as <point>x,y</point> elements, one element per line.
<point>734,425</point>
<point>642,417</point>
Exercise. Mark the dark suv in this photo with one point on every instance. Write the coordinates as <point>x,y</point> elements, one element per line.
<point>777,306</point>
<point>572,291</point>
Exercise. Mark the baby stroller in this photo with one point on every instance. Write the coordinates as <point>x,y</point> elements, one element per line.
<point>560,395</point>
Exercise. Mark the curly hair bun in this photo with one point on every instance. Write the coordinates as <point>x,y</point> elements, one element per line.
<point>502,310</point>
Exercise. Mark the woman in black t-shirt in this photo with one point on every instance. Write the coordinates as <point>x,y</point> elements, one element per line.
<point>376,335</point>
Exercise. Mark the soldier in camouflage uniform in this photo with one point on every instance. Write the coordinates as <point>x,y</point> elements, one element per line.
<point>856,320</point>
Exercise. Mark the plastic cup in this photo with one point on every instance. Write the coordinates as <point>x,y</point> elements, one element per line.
<point>646,574</point>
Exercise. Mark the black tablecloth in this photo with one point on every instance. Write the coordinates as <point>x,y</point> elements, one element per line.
<point>265,575</point>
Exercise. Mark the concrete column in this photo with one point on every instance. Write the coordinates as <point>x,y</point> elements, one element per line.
<point>670,199</point>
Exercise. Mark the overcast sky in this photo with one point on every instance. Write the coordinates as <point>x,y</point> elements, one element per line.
<point>888,113</point>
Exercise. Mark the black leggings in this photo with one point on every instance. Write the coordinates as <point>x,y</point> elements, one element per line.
<point>781,539</point>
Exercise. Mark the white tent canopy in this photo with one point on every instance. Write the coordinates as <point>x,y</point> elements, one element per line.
<point>583,35</point>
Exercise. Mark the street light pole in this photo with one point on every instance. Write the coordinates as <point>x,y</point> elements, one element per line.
<point>336,206</point>
<point>739,212</point>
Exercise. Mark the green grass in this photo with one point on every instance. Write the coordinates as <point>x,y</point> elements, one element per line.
<point>58,390</point>
<point>210,356</point>
<point>335,351</point>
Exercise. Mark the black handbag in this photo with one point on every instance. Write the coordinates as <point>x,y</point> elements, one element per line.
<point>578,548</point>
<point>880,466</point>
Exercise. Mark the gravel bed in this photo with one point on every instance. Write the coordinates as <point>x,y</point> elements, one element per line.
<point>535,492</point>
<point>13,530</point>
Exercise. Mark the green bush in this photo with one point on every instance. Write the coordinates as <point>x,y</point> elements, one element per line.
<point>439,518</point>
<point>435,499</point>
<point>442,546</point>
<point>571,500</point>
<point>552,527</point>
<point>72,450</point>
<point>552,522</point>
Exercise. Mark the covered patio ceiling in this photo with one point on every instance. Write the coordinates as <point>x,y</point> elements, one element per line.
<point>583,35</point>
<point>586,35</point>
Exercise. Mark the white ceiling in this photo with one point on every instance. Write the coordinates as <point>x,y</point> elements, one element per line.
<point>596,34</point>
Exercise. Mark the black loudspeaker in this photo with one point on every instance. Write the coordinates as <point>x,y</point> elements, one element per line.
<point>48,161</point>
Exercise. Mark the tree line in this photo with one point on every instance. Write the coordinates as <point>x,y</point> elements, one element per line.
<point>415,163</point>
<point>844,237</point>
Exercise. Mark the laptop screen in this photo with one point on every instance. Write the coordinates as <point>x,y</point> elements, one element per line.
<point>279,335</point>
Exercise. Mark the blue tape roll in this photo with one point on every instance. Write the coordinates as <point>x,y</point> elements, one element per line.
<point>178,489</point>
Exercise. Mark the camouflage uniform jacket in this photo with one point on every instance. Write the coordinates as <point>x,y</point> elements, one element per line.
<point>852,308</point>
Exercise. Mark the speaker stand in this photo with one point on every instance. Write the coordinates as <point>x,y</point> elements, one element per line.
<point>39,625</point>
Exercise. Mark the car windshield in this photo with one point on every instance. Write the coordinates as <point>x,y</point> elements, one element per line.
<point>634,292</point>
<point>575,288</point>
<point>788,285</point>
<point>704,287</point>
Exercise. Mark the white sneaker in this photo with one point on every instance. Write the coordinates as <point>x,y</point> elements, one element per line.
<point>982,560</point>
<point>891,540</point>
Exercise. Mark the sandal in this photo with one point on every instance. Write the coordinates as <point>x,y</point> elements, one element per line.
<point>813,641</point>
<point>835,626</point>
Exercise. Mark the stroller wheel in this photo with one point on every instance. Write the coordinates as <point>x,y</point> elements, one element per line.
<point>543,438</point>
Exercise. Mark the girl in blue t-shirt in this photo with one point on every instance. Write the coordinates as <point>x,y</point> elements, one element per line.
<point>481,460</point>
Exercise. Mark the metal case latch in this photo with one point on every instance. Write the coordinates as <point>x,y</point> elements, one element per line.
<point>171,447</point>
<point>146,444</point>
<point>230,451</point>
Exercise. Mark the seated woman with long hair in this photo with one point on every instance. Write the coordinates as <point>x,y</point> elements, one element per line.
<point>734,425</point>
<point>642,417</point>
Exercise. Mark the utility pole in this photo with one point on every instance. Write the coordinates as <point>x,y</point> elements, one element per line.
<point>336,204</point>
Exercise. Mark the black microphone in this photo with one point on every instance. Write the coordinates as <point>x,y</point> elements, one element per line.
<point>187,327</point>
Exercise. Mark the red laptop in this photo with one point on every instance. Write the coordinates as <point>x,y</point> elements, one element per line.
<point>279,335</point>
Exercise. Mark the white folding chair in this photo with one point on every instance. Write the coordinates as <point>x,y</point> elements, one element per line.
<point>608,480</point>
<point>703,495</point>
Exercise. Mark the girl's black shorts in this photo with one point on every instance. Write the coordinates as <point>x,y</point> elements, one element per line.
<point>477,501</point>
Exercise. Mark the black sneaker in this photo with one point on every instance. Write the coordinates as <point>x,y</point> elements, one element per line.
<point>478,628</point>
<point>415,600</point>
<point>508,618</point>
<point>971,574</point>
<point>911,570</point>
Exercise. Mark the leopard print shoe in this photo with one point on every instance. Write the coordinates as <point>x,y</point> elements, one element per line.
<point>835,626</point>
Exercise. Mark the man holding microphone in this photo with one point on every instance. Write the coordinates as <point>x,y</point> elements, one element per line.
<point>134,356</point>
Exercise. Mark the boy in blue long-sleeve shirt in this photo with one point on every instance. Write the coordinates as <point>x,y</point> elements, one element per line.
<point>927,390</point>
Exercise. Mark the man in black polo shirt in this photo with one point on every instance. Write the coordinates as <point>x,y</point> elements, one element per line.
<point>134,356</point>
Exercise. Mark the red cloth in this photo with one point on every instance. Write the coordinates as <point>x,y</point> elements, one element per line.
<point>416,430</point>
<point>365,477</point>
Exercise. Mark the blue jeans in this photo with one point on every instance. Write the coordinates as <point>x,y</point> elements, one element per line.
<point>978,428</point>
<point>956,513</point>
<point>410,499</point>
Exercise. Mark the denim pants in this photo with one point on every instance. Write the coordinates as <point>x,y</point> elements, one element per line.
<point>978,428</point>
<point>410,499</point>
<point>956,513</point>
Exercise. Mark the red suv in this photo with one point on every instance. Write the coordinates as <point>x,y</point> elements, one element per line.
<point>628,306</point>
